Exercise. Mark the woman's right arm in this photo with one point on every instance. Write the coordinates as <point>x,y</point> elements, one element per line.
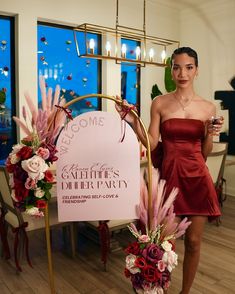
<point>154,127</point>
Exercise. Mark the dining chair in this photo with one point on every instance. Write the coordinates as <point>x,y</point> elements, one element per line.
<point>22,223</point>
<point>216,164</point>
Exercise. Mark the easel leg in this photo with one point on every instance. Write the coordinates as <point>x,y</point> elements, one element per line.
<point>50,267</point>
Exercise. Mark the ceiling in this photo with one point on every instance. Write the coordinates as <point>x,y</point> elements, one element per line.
<point>180,4</point>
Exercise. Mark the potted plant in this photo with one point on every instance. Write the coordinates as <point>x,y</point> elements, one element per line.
<point>169,83</point>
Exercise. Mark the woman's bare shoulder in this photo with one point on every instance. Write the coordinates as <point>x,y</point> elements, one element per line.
<point>207,107</point>
<point>207,102</point>
<point>159,100</point>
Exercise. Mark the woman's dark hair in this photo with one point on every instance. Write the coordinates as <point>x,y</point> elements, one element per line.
<point>186,50</point>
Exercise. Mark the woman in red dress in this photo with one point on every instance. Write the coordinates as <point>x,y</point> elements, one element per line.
<point>183,120</point>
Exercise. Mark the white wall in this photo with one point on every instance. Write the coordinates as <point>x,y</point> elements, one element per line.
<point>208,26</point>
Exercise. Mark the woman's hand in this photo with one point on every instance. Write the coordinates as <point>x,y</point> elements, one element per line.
<point>214,125</point>
<point>124,110</point>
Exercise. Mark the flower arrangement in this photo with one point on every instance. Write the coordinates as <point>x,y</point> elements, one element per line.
<point>151,258</point>
<point>28,164</point>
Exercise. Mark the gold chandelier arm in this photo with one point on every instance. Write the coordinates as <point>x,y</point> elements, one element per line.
<point>144,15</point>
<point>150,208</point>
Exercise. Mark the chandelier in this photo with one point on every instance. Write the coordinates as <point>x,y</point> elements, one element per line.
<point>148,50</point>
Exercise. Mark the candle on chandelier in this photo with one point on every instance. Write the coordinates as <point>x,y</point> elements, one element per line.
<point>108,48</point>
<point>151,54</point>
<point>137,52</point>
<point>123,54</point>
<point>92,46</point>
<point>163,56</point>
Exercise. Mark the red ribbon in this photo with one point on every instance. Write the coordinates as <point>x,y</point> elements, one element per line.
<point>66,110</point>
<point>104,240</point>
<point>17,230</point>
<point>3,235</point>
<point>126,109</point>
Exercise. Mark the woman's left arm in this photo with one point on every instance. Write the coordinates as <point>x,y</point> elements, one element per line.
<point>207,143</point>
<point>211,129</point>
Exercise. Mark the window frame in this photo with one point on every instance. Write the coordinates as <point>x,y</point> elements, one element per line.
<point>138,79</point>
<point>14,103</point>
<point>99,64</point>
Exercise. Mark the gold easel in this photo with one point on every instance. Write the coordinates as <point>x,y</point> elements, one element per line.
<point>150,210</point>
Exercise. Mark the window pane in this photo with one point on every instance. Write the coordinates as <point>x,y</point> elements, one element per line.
<point>59,64</point>
<point>7,87</point>
<point>130,75</point>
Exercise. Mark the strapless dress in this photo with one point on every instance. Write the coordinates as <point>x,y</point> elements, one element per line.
<point>184,167</point>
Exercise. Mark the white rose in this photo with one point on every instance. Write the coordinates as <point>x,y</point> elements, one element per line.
<point>16,148</point>
<point>35,167</point>
<point>39,193</point>
<point>166,246</point>
<point>130,264</point>
<point>170,258</point>
<point>154,290</point>
<point>14,159</point>
<point>34,211</point>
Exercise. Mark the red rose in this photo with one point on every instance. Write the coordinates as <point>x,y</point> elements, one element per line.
<point>48,176</point>
<point>20,191</point>
<point>140,262</point>
<point>151,274</point>
<point>20,175</point>
<point>41,204</point>
<point>173,245</point>
<point>127,273</point>
<point>133,248</point>
<point>153,253</point>
<point>9,166</point>
<point>25,152</point>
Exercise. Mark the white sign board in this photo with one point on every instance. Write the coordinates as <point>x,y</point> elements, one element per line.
<point>98,177</point>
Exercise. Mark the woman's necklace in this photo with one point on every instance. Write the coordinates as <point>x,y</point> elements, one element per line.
<point>184,102</point>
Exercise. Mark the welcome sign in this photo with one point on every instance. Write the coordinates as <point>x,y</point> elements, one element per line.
<point>98,176</point>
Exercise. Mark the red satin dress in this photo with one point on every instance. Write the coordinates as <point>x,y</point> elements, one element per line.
<point>184,167</point>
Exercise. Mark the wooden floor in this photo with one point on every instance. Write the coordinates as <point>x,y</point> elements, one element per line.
<point>84,273</point>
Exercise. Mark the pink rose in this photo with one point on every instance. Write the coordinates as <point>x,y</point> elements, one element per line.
<point>35,167</point>
<point>43,152</point>
<point>161,265</point>
<point>30,183</point>
<point>144,239</point>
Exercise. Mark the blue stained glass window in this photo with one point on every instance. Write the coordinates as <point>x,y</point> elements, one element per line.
<point>130,75</point>
<point>59,63</point>
<point>7,87</point>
